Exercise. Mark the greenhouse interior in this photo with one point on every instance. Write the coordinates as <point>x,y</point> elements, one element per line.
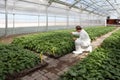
<point>59,40</point>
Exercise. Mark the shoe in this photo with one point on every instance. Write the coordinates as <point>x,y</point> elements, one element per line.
<point>89,49</point>
<point>77,52</point>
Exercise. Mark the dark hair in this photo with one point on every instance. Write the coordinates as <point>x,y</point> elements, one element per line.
<point>78,27</point>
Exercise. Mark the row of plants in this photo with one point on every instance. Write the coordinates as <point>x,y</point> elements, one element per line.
<point>56,43</point>
<point>112,42</point>
<point>95,32</point>
<point>101,64</point>
<point>14,59</point>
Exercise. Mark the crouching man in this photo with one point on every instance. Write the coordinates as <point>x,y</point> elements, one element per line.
<point>83,43</point>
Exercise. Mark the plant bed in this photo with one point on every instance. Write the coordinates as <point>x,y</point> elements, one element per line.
<point>25,72</point>
<point>102,64</point>
<point>56,43</point>
<point>14,59</point>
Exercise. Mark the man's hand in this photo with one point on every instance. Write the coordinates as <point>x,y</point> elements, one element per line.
<point>74,39</point>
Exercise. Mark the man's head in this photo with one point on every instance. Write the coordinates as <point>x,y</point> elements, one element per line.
<point>78,28</point>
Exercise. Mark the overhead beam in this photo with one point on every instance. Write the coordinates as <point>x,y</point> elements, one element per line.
<point>111,9</point>
<point>50,2</point>
<point>74,3</point>
<point>115,1</point>
<point>14,4</point>
<point>32,2</point>
<point>61,2</point>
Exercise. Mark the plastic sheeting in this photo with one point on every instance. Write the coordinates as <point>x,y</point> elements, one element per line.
<point>26,16</point>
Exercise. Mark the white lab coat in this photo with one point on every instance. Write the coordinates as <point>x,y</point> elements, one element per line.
<point>83,42</point>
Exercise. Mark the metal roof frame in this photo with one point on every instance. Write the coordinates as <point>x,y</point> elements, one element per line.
<point>90,6</point>
<point>74,3</point>
<point>113,6</point>
<point>67,4</point>
<point>94,9</point>
<point>50,2</point>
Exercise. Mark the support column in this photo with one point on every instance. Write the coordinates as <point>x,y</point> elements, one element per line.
<point>6,18</point>
<point>74,21</point>
<point>95,21</point>
<point>46,18</point>
<point>79,19</point>
<point>55,21</point>
<point>67,18</point>
<point>38,23</point>
<point>105,22</point>
<point>99,20</point>
<point>13,24</point>
<point>88,20</point>
<point>92,19</point>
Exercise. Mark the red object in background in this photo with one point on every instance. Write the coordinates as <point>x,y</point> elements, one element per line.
<point>113,21</point>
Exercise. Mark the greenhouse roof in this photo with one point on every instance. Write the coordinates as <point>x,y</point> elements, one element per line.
<point>100,7</point>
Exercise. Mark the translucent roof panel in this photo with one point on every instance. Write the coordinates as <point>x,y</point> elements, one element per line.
<point>104,7</point>
<point>34,1</point>
<point>68,1</point>
<point>100,6</point>
<point>2,7</point>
